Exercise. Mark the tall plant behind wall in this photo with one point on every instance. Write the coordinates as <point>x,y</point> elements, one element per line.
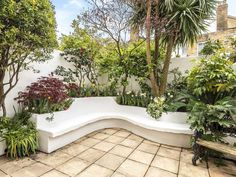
<point>80,50</point>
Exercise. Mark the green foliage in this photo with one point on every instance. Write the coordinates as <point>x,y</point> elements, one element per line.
<point>20,135</point>
<point>27,26</point>
<point>212,119</point>
<point>42,106</point>
<point>80,50</point>
<point>186,19</point>
<point>212,87</point>
<point>93,91</point>
<point>134,99</point>
<point>134,64</point>
<point>211,47</point>
<point>27,34</point>
<point>213,78</point>
<point>156,108</point>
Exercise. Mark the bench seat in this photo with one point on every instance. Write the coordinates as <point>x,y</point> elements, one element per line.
<point>90,114</point>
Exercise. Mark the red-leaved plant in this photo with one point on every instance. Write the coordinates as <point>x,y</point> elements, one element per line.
<point>48,94</point>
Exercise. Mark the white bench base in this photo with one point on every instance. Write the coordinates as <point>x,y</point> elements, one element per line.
<point>87,115</point>
<point>49,144</point>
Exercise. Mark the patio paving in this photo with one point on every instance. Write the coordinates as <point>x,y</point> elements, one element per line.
<point>114,153</point>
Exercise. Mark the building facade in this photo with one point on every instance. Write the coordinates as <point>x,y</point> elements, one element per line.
<point>225,28</point>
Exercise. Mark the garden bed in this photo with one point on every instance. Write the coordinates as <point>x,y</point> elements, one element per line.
<point>86,115</point>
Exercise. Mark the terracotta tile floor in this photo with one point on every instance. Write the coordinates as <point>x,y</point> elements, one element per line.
<point>113,153</point>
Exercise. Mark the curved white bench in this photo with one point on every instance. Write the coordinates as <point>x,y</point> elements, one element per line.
<point>90,114</point>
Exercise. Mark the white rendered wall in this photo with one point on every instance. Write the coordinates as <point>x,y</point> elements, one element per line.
<point>27,77</point>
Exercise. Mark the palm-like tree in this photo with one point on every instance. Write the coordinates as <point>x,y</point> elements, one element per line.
<point>175,22</point>
<point>186,20</point>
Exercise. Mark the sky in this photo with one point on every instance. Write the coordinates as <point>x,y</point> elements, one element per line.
<point>67,11</point>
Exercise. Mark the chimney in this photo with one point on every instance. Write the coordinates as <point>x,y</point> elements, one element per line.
<point>222,14</point>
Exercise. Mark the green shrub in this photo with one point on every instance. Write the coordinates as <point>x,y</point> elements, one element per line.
<point>212,83</point>
<point>134,99</point>
<point>156,108</point>
<point>212,79</point>
<point>21,139</point>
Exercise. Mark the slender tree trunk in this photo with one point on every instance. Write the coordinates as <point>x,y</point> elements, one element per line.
<point>155,89</point>
<point>2,97</point>
<point>166,66</point>
<point>157,39</point>
<point>124,86</point>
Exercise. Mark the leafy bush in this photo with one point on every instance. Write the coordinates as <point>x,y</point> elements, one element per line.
<point>156,108</point>
<point>20,135</point>
<point>46,95</point>
<point>212,83</point>
<point>212,79</point>
<point>134,99</point>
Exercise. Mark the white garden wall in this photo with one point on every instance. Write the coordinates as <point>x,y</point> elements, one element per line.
<point>27,77</point>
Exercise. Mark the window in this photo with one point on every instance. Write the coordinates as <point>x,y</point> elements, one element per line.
<point>200,46</point>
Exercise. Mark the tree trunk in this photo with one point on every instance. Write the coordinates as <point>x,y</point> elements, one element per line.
<point>166,66</point>
<point>134,34</point>
<point>2,99</point>
<point>155,89</point>
<point>156,39</point>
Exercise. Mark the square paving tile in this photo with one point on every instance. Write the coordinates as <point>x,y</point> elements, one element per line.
<point>171,147</point>
<point>130,143</point>
<point>34,170</point>
<point>96,171</point>
<point>91,155</point>
<point>121,150</point>
<point>122,133</point>
<point>54,173</point>
<point>151,142</point>
<point>80,139</point>
<point>141,156</point>
<point>135,137</point>
<point>90,142</point>
<point>170,153</point>
<point>167,164</point>
<point>109,131</point>
<point>101,136</point>
<point>14,165</point>
<point>188,170</point>
<point>75,149</point>
<point>157,172</point>
<point>227,167</point>
<point>3,174</point>
<point>104,146</point>
<point>110,161</point>
<point>114,139</point>
<point>148,148</point>
<point>132,169</point>
<point>3,160</point>
<point>116,174</point>
<point>92,134</point>
<point>55,159</point>
<point>73,166</point>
